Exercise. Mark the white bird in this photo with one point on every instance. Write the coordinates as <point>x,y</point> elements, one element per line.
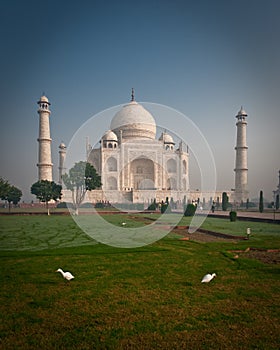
<point>207,278</point>
<point>67,275</point>
<point>123,223</point>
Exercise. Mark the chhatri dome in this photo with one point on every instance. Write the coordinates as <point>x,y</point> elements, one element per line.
<point>44,98</point>
<point>110,136</point>
<point>166,138</point>
<point>133,121</point>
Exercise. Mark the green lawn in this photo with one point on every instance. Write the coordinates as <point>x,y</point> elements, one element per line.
<point>142,298</point>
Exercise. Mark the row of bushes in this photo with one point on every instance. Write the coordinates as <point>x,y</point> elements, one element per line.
<point>130,206</point>
<point>189,210</point>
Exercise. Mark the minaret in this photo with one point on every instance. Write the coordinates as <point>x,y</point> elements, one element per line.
<point>61,168</point>
<point>277,192</point>
<point>241,168</point>
<point>45,157</point>
<point>88,148</point>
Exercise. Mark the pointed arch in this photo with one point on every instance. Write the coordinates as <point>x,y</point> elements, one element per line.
<point>111,164</point>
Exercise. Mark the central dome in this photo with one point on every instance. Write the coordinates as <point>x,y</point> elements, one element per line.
<point>133,121</point>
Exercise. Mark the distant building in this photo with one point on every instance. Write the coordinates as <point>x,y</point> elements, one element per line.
<point>136,166</point>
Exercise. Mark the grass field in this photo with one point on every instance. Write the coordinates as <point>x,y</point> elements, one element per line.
<point>142,298</point>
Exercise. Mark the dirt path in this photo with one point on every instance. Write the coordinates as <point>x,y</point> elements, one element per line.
<point>200,236</point>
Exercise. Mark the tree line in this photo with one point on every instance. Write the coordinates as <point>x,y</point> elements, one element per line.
<point>82,177</point>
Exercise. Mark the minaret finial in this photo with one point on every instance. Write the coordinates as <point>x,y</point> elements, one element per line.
<point>132,95</point>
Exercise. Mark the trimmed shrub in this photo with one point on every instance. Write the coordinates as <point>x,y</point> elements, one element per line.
<point>189,210</point>
<point>99,205</point>
<point>261,202</point>
<point>62,205</point>
<point>232,215</point>
<point>165,208</point>
<point>86,205</point>
<point>224,201</point>
<point>130,206</point>
<point>152,206</point>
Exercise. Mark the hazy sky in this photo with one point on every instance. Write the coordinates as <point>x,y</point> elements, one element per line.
<point>203,58</point>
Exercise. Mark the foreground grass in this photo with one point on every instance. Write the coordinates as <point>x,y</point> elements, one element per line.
<point>145,298</point>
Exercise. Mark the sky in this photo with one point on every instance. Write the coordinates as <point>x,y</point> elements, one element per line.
<point>205,59</point>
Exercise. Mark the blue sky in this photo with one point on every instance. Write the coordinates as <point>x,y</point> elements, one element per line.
<point>203,58</point>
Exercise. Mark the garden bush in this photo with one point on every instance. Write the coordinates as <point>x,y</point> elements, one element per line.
<point>152,206</point>
<point>189,210</point>
<point>232,215</point>
<point>165,208</point>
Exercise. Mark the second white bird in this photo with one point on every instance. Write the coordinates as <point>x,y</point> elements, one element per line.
<point>67,275</point>
<point>207,278</point>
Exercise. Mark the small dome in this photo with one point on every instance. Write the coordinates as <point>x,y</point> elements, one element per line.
<point>44,99</point>
<point>242,113</point>
<point>166,138</point>
<point>110,136</point>
<point>134,121</point>
<point>62,146</point>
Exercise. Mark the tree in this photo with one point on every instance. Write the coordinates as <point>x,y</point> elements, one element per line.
<point>232,215</point>
<point>82,177</point>
<point>46,191</point>
<point>189,210</point>
<point>224,201</point>
<point>9,193</point>
<point>261,202</point>
<point>4,187</point>
<point>153,205</point>
<point>13,196</point>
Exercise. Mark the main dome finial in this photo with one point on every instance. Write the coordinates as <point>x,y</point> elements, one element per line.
<point>132,95</point>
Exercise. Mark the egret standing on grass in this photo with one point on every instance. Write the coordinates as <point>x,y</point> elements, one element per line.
<point>207,278</point>
<point>67,275</point>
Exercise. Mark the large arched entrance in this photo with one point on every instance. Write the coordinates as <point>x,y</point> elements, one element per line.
<point>142,174</point>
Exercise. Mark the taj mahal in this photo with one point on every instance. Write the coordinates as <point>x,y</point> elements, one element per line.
<point>136,165</point>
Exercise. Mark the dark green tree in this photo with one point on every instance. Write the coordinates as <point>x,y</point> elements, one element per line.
<point>261,202</point>
<point>224,201</point>
<point>14,195</point>
<point>153,205</point>
<point>165,206</point>
<point>82,177</point>
<point>277,202</point>
<point>46,191</point>
<point>189,209</point>
<point>4,187</point>
<point>232,215</point>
